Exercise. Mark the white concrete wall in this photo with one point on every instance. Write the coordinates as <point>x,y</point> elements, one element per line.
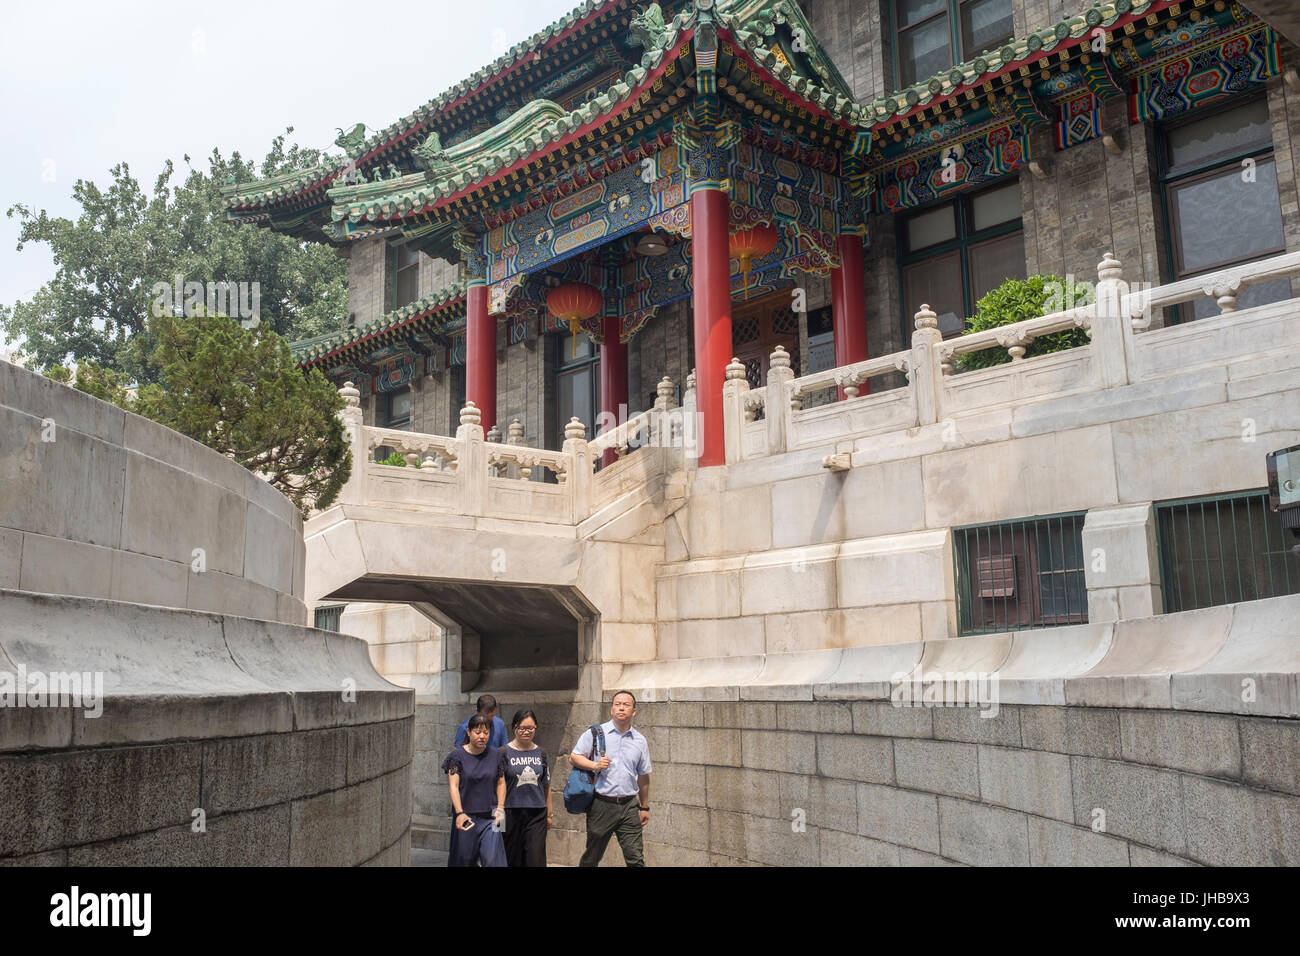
<point>97,502</point>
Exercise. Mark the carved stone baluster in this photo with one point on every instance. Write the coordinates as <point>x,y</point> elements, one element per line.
<point>352,431</point>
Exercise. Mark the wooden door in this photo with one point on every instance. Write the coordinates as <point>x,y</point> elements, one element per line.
<point>760,326</point>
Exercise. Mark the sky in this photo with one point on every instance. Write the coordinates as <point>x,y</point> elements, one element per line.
<point>84,86</point>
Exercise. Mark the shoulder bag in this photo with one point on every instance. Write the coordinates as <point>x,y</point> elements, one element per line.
<point>580,790</point>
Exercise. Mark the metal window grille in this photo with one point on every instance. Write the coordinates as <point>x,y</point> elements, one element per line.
<point>1025,573</point>
<point>1222,550</point>
<point>327,618</point>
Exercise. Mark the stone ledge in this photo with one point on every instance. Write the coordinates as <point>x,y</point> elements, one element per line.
<point>1189,661</point>
<point>171,674</point>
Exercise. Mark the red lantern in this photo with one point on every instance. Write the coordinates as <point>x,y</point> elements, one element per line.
<point>575,302</point>
<point>750,244</point>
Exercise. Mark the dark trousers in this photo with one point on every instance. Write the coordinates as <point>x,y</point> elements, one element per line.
<point>526,836</point>
<point>482,844</point>
<point>606,819</point>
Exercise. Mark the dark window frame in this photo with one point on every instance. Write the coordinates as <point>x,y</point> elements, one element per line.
<point>957,52</point>
<point>1019,539</point>
<point>967,237</point>
<point>400,271</point>
<point>1179,566</point>
<point>389,420</point>
<point>566,365</point>
<point>1170,178</point>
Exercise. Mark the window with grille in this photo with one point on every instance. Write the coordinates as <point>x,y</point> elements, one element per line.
<point>1222,550</point>
<point>1026,573</point>
<point>328,618</point>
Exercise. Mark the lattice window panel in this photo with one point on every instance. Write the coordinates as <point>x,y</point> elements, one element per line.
<point>744,331</point>
<point>785,322</point>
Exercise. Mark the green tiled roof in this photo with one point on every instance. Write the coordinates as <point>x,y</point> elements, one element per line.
<point>267,192</point>
<point>992,62</point>
<point>542,123</point>
<point>535,126</point>
<point>310,350</point>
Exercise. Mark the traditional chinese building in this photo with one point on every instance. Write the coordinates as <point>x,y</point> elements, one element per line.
<point>679,183</point>
<point>822,191</point>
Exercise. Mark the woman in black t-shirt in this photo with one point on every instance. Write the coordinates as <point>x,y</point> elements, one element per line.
<point>476,779</point>
<point>528,793</point>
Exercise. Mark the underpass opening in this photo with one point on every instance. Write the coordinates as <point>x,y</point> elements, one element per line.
<point>512,637</point>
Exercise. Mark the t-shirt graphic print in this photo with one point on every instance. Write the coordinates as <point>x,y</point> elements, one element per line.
<point>527,777</point>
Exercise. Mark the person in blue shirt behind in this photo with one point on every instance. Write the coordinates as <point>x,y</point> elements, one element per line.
<point>487,706</point>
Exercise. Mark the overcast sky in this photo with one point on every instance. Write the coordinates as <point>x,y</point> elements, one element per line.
<point>86,85</point>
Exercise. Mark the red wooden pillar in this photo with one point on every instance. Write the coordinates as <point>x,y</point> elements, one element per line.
<point>480,354</point>
<point>613,377</point>
<point>848,306</point>
<point>711,272</point>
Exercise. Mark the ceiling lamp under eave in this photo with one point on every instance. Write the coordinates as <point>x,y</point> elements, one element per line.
<point>746,245</point>
<point>575,302</point>
<point>651,245</point>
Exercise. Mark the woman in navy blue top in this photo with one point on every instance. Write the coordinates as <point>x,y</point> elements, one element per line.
<point>476,779</point>
<point>528,793</point>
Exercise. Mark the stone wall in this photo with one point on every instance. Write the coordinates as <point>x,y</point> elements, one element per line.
<point>369,295</point>
<point>97,502</point>
<point>844,782</point>
<point>138,734</point>
<point>777,555</point>
<point>294,750</point>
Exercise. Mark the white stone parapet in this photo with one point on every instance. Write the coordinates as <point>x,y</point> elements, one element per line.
<point>1123,350</point>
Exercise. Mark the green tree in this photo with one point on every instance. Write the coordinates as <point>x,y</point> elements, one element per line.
<point>124,241</point>
<point>238,391</point>
<point>1018,299</point>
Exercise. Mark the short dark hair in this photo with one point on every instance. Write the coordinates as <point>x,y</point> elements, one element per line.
<point>521,716</point>
<point>487,704</point>
<point>628,692</point>
<point>478,720</point>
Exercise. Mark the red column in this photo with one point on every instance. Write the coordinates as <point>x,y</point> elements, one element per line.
<point>848,306</point>
<point>711,271</point>
<point>480,355</point>
<point>613,376</point>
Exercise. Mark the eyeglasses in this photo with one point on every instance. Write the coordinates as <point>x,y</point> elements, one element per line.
<point>526,730</point>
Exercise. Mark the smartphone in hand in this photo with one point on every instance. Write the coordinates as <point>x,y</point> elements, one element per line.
<point>468,824</point>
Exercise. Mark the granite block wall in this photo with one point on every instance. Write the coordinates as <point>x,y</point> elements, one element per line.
<point>844,782</point>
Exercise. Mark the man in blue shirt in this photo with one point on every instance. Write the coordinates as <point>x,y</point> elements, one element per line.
<point>622,804</point>
<point>487,706</point>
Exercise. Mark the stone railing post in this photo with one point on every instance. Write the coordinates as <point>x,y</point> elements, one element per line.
<point>661,422</point>
<point>578,479</point>
<point>514,436</point>
<point>690,424</point>
<point>734,389</point>
<point>350,415</point>
<point>777,410</point>
<point>926,377</point>
<point>471,458</point>
<point>493,437</point>
<point>1112,332</point>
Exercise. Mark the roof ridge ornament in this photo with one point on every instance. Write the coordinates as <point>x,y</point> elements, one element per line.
<point>351,141</point>
<point>647,28</point>
<point>432,157</point>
